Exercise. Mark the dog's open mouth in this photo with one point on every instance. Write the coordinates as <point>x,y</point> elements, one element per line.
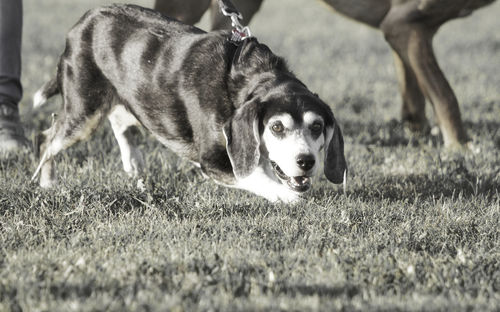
<point>297,184</point>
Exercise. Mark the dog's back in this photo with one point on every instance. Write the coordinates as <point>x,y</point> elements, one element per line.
<point>171,77</point>
<point>152,65</point>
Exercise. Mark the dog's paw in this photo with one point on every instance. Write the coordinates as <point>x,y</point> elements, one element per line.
<point>281,195</point>
<point>289,197</point>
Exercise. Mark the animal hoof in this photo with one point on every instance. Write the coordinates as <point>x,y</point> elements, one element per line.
<point>417,128</point>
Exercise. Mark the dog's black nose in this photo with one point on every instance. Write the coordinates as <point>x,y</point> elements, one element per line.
<point>305,161</point>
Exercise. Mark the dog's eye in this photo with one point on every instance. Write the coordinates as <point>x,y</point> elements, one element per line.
<point>317,127</point>
<point>278,127</point>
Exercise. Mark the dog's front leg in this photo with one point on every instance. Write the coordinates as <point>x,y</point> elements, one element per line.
<point>259,182</point>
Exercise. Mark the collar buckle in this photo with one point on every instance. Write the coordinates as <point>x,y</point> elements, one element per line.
<point>239,32</point>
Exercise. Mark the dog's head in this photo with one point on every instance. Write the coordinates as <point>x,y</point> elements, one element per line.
<point>286,130</point>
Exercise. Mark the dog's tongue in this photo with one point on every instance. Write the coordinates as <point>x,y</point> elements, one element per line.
<point>300,180</point>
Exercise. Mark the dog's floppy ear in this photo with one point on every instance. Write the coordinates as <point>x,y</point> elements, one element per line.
<point>335,164</point>
<point>243,139</point>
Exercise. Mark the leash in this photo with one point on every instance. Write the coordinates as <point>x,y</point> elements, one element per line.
<point>239,32</point>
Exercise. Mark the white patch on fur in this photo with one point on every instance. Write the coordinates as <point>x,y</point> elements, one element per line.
<point>284,118</point>
<point>260,182</point>
<point>310,117</point>
<point>121,120</point>
<point>297,139</point>
<point>344,181</point>
<point>39,99</point>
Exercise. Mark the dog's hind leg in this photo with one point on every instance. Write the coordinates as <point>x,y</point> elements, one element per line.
<point>122,123</point>
<point>48,173</point>
<point>65,131</point>
<point>85,105</point>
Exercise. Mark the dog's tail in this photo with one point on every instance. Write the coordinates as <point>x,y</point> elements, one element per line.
<point>48,90</point>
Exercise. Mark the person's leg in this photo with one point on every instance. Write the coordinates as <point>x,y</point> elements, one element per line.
<point>11,19</point>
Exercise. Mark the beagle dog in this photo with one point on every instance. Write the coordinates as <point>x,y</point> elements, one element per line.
<point>233,109</point>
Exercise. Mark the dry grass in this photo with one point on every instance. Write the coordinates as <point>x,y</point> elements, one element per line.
<point>417,230</point>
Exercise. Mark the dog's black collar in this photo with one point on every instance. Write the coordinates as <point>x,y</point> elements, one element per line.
<point>235,48</point>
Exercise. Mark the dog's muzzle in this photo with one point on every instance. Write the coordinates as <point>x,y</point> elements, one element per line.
<point>298,184</point>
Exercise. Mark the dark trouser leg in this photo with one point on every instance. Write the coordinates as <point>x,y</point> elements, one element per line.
<point>11,22</point>
<point>186,11</point>
<point>11,19</point>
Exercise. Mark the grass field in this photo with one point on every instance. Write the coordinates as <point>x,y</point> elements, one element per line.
<point>417,230</point>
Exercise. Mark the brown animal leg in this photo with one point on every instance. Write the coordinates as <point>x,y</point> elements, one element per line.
<point>405,30</point>
<point>413,110</point>
<point>246,7</point>
<point>186,11</point>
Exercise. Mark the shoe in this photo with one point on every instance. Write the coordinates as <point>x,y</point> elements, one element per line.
<point>11,132</point>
